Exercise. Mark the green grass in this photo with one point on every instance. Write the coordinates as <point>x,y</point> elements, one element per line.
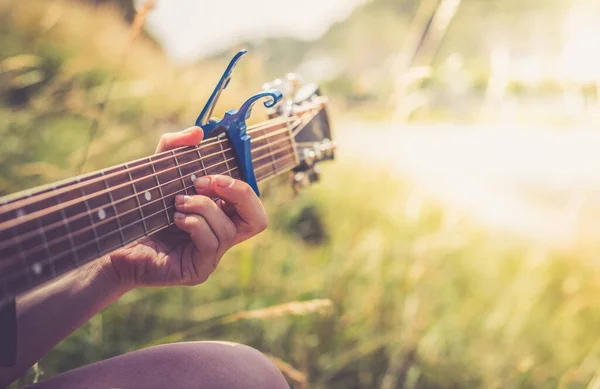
<point>416,294</point>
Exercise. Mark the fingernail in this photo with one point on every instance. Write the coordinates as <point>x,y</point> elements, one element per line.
<point>223,181</point>
<point>179,216</point>
<point>188,130</point>
<point>202,182</point>
<point>180,199</point>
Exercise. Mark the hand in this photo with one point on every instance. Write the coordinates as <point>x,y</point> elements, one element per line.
<point>189,252</point>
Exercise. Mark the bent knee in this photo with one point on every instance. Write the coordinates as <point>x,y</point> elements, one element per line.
<point>223,365</point>
<point>204,365</point>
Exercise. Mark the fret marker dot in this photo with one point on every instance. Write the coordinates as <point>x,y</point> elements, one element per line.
<point>148,196</point>
<point>101,214</point>
<point>193,178</point>
<point>37,268</point>
<point>20,213</point>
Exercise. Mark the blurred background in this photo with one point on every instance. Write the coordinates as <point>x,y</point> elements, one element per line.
<point>452,244</point>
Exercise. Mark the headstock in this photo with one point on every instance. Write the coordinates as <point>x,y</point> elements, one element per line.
<point>306,108</point>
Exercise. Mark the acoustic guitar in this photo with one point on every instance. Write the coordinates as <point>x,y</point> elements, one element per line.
<point>50,230</point>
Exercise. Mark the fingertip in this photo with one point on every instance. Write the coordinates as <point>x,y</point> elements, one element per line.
<point>194,134</point>
<point>222,181</point>
<point>188,137</point>
<point>203,183</point>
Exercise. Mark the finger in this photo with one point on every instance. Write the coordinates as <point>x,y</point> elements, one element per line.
<point>204,240</point>
<point>237,194</point>
<point>220,224</point>
<point>188,137</point>
<point>226,207</point>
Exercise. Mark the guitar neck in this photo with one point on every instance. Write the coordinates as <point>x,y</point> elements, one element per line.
<point>48,231</point>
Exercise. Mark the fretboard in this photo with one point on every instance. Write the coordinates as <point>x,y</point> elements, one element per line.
<point>48,231</point>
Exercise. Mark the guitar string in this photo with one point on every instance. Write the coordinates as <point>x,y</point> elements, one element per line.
<point>51,259</point>
<point>134,195</point>
<point>100,179</point>
<point>23,237</point>
<point>300,118</point>
<point>167,154</point>
<point>146,233</point>
<point>40,213</point>
<point>260,127</point>
<point>262,176</point>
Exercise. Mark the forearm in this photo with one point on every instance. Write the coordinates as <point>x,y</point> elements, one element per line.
<point>49,314</point>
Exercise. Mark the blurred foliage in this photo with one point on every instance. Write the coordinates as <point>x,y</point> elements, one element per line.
<point>358,283</point>
<point>57,67</point>
<point>419,297</point>
<point>357,59</point>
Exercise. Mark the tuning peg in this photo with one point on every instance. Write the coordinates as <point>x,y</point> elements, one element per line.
<point>309,156</point>
<point>314,174</point>
<point>317,151</point>
<point>303,179</point>
<point>300,180</point>
<point>294,82</point>
<point>327,147</point>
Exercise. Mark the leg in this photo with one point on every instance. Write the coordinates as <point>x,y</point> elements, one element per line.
<point>197,365</point>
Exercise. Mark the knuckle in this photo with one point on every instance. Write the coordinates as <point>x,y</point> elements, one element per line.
<point>193,222</point>
<point>230,233</point>
<point>262,223</point>
<point>201,203</point>
<point>245,189</point>
<point>212,244</point>
<point>164,139</point>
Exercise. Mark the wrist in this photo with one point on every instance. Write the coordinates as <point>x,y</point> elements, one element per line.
<point>109,272</point>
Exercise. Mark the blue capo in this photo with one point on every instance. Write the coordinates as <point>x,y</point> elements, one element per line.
<point>234,121</point>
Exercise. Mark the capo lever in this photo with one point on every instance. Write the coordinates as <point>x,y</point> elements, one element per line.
<point>234,122</point>
<point>221,85</point>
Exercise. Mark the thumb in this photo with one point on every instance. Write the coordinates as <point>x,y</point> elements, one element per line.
<point>188,137</point>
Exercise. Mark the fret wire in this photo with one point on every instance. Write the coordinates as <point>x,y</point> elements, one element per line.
<point>77,217</point>
<point>129,172</point>
<point>279,159</point>
<point>272,156</point>
<point>161,192</point>
<point>91,217</point>
<point>223,153</point>
<point>64,220</point>
<point>140,207</point>
<point>290,138</point>
<point>128,241</point>
<point>268,175</point>
<point>42,234</point>
<point>112,203</point>
<point>137,199</point>
<point>23,261</point>
<point>201,161</point>
<point>149,216</point>
<point>139,179</point>
<point>180,172</point>
<point>17,203</point>
<point>159,228</point>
